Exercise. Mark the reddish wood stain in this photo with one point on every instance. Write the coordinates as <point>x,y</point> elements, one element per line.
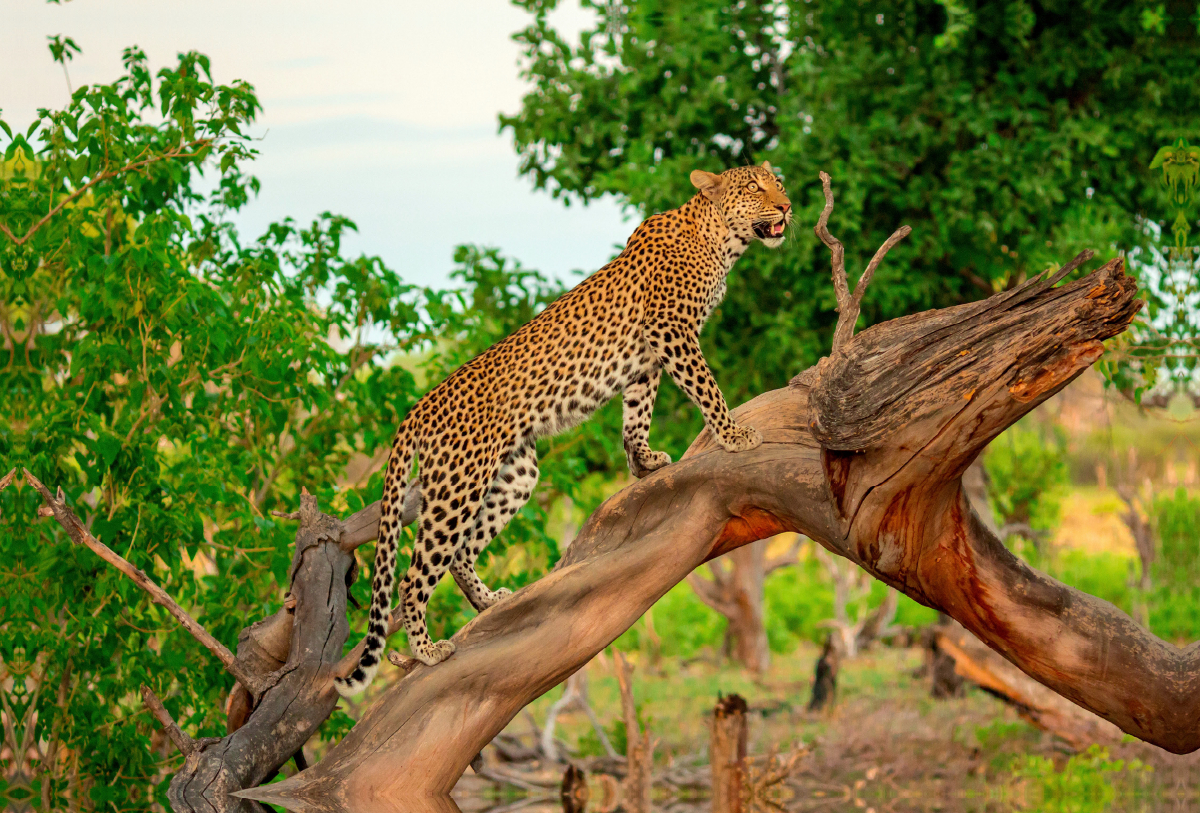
<point>753,524</point>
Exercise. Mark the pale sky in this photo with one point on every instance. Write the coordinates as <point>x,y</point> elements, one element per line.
<point>381,111</point>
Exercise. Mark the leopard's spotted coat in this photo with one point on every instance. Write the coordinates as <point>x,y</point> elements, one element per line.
<point>615,331</point>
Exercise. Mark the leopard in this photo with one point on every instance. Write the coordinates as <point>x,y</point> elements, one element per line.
<point>474,435</point>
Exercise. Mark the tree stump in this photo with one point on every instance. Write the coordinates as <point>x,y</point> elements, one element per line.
<point>824,690</point>
<point>727,754</point>
<point>574,792</point>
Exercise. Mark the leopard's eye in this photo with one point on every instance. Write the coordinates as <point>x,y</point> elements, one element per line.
<point>753,187</point>
<point>779,186</point>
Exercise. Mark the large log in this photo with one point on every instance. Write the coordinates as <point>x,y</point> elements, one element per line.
<point>864,454</point>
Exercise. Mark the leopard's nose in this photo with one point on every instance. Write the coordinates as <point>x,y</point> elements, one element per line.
<point>783,207</point>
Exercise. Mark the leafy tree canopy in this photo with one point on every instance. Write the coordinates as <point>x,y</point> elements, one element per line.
<point>1009,135</point>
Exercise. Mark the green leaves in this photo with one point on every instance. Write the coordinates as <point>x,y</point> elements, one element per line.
<point>1009,135</point>
<point>178,385</point>
<point>63,49</point>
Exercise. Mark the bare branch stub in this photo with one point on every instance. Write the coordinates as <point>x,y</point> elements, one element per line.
<point>58,508</point>
<point>403,661</point>
<point>8,478</point>
<point>363,526</point>
<point>848,304</point>
<point>183,742</point>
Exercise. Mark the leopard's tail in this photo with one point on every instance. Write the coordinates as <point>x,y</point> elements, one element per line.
<point>400,463</point>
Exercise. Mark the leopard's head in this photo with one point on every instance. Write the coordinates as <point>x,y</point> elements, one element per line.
<point>749,198</point>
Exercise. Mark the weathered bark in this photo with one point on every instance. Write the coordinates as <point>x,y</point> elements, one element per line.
<point>727,754</point>
<point>294,707</point>
<point>864,454</point>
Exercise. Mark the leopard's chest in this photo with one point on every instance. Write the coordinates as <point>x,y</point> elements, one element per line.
<point>715,296</point>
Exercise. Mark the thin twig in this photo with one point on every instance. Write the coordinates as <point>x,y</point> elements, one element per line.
<point>56,506</point>
<point>183,742</point>
<point>840,285</point>
<point>848,304</point>
<point>1076,261</point>
<point>8,478</point>
<point>628,707</point>
<point>176,152</point>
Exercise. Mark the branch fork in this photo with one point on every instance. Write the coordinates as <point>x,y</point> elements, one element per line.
<point>849,305</point>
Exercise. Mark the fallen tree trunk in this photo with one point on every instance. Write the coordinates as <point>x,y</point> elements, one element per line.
<point>1033,702</point>
<point>863,453</point>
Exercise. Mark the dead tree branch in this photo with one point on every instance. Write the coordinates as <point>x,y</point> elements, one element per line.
<point>56,506</point>
<point>574,696</point>
<point>639,751</point>
<point>848,305</point>
<point>865,456</point>
<point>185,744</point>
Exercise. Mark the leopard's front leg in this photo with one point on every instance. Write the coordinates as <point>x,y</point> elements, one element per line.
<point>675,343</point>
<point>638,409</point>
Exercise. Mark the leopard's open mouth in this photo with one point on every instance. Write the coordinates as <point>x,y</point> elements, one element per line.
<point>767,231</point>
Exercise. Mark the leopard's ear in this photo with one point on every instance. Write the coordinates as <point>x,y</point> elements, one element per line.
<point>713,186</point>
<point>767,166</point>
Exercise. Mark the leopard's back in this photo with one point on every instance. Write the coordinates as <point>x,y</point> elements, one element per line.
<point>558,368</point>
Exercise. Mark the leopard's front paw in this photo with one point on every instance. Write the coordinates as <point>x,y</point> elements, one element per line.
<point>435,652</point>
<point>741,438</point>
<point>647,462</point>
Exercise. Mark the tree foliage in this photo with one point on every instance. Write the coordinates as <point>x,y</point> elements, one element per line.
<point>180,383</point>
<point>1009,135</point>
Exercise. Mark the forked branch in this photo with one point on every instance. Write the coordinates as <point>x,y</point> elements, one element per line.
<point>849,304</point>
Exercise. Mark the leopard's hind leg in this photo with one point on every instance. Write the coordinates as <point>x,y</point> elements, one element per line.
<point>452,492</point>
<point>509,491</point>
